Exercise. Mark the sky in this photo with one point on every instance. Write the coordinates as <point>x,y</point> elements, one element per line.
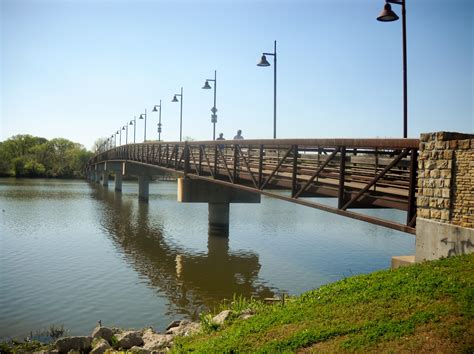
<point>82,69</point>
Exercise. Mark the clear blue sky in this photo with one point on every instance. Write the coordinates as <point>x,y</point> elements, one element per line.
<point>80,69</point>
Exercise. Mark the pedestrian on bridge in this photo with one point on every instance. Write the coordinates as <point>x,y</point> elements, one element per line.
<point>239,135</point>
<point>221,137</point>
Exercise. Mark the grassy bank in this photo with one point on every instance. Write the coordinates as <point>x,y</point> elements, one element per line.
<point>422,308</point>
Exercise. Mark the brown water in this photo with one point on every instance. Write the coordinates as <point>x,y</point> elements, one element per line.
<point>72,253</point>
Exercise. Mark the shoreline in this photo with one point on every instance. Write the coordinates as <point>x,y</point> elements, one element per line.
<point>419,308</point>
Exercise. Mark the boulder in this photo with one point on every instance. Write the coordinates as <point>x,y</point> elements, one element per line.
<point>103,332</point>
<point>173,324</point>
<point>129,339</point>
<point>101,346</point>
<point>63,345</point>
<point>154,341</point>
<point>139,350</point>
<point>222,317</point>
<point>116,330</point>
<point>246,314</point>
<point>185,328</point>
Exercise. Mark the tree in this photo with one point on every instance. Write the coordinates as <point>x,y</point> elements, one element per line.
<point>29,156</point>
<point>99,145</point>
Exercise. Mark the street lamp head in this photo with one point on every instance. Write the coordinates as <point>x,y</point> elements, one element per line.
<point>387,15</point>
<point>175,99</point>
<point>263,61</point>
<point>141,116</point>
<point>206,86</point>
<point>155,109</point>
<point>123,128</point>
<point>131,122</point>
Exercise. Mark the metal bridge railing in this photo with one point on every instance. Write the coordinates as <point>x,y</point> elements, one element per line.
<point>360,173</point>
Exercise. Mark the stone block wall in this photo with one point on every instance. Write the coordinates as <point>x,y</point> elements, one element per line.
<point>446,178</point>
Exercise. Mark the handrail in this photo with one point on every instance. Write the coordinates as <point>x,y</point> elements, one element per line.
<point>360,173</point>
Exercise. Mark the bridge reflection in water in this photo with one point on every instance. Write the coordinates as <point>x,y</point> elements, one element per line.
<point>191,281</point>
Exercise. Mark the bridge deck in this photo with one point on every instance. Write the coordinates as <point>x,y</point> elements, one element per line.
<point>359,173</point>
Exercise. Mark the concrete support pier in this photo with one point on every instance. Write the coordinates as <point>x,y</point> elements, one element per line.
<point>105,179</point>
<point>96,176</point>
<point>218,219</point>
<point>118,181</point>
<point>143,187</point>
<point>218,198</point>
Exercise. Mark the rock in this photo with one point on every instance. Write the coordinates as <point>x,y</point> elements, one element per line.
<point>129,339</point>
<point>186,328</point>
<point>222,317</point>
<point>73,343</point>
<point>101,346</point>
<point>103,332</point>
<point>116,330</point>
<point>140,350</point>
<point>155,341</point>
<point>246,314</point>
<point>175,323</point>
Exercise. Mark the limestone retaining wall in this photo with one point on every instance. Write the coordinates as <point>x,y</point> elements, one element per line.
<point>445,194</point>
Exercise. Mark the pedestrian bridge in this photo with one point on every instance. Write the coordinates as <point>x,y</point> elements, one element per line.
<point>355,173</point>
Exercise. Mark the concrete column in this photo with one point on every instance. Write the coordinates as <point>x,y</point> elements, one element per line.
<point>97,177</point>
<point>105,179</point>
<point>218,219</point>
<point>143,187</point>
<point>118,181</point>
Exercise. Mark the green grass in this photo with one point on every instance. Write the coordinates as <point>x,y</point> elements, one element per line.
<point>422,308</point>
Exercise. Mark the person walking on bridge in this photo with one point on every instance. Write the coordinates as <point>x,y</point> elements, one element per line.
<point>239,135</point>
<point>221,137</point>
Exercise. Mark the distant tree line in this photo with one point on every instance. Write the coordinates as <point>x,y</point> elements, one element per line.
<point>32,156</point>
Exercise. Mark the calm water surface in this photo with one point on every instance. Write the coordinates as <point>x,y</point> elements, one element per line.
<point>72,253</point>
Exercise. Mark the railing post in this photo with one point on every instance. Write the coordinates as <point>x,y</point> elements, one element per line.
<point>342,173</point>
<point>411,212</point>
<point>260,167</point>
<point>176,148</point>
<point>186,159</point>
<point>236,162</point>
<point>376,166</point>
<point>215,161</point>
<point>159,154</point>
<point>294,181</point>
<point>200,159</point>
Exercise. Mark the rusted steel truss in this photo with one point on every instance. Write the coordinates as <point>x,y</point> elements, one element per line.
<point>357,173</point>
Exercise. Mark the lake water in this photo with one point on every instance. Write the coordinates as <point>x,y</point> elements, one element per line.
<point>72,253</point>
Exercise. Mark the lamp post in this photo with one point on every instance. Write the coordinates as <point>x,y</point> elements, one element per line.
<point>143,116</point>
<point>125,127</point>
<point>387,15</point>
<point>120,136</point>
<point>134,123</point>
<point>213,109</point>
<point>159,119</point>
<point>175,99</point>
<point>115,138</point>
<point>264,62</point>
